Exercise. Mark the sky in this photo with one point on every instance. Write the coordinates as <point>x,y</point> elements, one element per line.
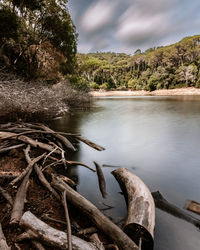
<point>128,25</point>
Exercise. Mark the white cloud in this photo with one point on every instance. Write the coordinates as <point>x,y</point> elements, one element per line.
<point>98,15</point>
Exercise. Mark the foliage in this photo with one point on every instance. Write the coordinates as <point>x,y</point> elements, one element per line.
<point>172,66</point>
<point>26,26</point>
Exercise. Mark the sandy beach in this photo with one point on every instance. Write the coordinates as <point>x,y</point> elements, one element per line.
<point>161,92</point>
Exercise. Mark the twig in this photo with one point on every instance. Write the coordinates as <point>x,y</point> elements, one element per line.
<point>3,150</point>
<point>89,143</point>
<point>45,216</point>
<point>89,230</point>
<point>69,233</point>
<point>81,164</point>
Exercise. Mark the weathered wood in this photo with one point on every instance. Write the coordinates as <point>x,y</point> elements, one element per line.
<point>101,179</point>
<point>140,220</point>
<point>26,170</point>
<point>6,195</point>
<point>9,175</point>
<point>94,238</point>
<point>80,164</point>
<point>67,180</point>
<point>89,230</point>
<point>51,236</point>
<point>37,245</point>
<point>44,181</point>
<point>164,205</point>
<point>89,143</point>
<point>28,140</point>
<point>69,231</point>
<point>193,206</point>
<point>3,243</point>
<point>4,150</point>
<point>98,219</point>
<point>18,205</point>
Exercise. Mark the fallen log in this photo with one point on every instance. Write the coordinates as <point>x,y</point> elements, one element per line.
<point>99,219</point>
<point>18,205</point>
<point>193,206</point>
<point>101,179</point>
<point>51,236</point>
<point>140,220</point>
<point>3,243</point>
<point>164,205</point>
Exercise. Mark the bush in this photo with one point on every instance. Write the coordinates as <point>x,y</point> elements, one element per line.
<point>104,86</point>
<point>34,101</point>
<point>78,82</point>
<point>132,83</point>
<point>94,85</point>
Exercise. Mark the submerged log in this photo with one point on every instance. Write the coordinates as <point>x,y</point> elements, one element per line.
<point>101,179</point>
<point>99,219</point>
<point>164,205</point>
<point>193,206</point>
<point>140,220</point>
<point>51,236</point>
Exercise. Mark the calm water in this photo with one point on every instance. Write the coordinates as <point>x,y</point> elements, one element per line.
<point>158,139</point>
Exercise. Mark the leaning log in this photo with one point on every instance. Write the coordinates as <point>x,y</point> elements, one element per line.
<point>3,243</point>
<point>98,219</point>
<point>51,236</point>
<point>140,220</point>
<point>164,205</point>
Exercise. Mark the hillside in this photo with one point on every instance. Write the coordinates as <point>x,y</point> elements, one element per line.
<point>166,67</point>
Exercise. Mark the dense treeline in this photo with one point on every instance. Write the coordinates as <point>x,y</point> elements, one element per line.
<point>37,38</point>
<point>172,66</point>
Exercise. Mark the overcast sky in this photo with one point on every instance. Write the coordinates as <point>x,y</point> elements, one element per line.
<point>126,25</point>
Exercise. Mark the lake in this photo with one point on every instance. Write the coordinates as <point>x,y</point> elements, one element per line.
<point>158,139</point>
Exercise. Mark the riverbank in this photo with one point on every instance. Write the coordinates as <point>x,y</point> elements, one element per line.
<point>160,92</point>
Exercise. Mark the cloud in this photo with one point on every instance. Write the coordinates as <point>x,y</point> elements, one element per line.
<point>98,15</point>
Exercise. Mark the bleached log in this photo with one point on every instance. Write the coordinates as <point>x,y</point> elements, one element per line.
<point>99,220</point>
<point>51,236</point>
<point>3,243</point>
<point>140,220</point>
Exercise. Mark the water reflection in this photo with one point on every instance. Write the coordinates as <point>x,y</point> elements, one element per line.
<point>157,138</point>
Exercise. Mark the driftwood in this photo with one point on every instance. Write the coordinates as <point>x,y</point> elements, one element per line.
<point>45,182</point>
<point>101,179</point>
<point>6,196</point>
<point>164,205</point>
<point>3,243</point>
<point>69,231</point>
<point>51,236</point>
<point>29,167</point>
<point>18,205</point>
<point>94,238</point>
<point>4,150</point>
<point>80,164</point>
<point>89,230</point>
<point>99,220</point>
<point>193,206</point>
<point>37,245</point>
<point>140,220</point>
<point>67,180</point>
<point>28,140</point>
<point>9,175</point>
<point>46,217</point>
<point>89,143</point>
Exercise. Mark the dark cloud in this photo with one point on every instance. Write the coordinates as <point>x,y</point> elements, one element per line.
<point>125,25</point>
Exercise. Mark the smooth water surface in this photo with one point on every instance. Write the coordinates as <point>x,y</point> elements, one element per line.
<point>158,139</point>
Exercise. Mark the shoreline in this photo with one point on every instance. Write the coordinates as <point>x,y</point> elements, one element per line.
<point>161,92</point>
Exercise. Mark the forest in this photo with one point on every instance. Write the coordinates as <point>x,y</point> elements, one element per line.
<point>166,67</point>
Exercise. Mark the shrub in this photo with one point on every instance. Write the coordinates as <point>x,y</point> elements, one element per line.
<point>104,86</point>
<point>94,85</point>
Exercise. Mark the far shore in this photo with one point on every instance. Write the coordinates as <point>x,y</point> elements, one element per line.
<point>161,92</point>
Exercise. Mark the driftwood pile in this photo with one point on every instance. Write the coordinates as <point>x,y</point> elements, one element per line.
<point>23,224</point>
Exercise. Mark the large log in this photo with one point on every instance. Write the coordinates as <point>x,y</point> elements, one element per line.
<point>164,205</point>
<point>99,220</point>
<point>51,236</point>
<point>140,220</point>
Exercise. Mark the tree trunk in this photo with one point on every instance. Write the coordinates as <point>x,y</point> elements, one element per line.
<point>140,220</point>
